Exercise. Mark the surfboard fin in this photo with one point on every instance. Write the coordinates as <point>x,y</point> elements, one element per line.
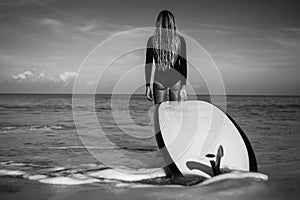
<point>215,160</point>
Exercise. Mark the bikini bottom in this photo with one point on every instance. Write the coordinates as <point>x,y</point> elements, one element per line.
<point>168,78</point>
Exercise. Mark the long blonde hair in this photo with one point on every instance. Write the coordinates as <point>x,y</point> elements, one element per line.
<point>166,41</point>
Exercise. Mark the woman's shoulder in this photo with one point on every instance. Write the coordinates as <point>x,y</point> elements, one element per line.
<point>182,40</point>
<point>150,41</point>
<point>150,38</point>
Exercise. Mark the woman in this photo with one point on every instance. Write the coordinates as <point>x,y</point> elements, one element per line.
<point>168,49</point>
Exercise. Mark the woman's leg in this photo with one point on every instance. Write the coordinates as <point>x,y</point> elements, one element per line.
<point>159,92</point>
<point>174,96</point>
<point>160,95</point>
<point>174,91</point>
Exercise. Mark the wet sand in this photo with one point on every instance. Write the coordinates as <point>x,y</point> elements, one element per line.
<point>18,188</point>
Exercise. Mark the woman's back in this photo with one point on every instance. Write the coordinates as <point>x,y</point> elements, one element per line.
<point>177,71</point>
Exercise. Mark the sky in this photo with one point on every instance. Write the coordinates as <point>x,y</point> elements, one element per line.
<point>44,44</point>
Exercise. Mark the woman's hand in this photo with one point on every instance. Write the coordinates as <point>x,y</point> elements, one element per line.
<point>182,93</point>
<point>148,93</point>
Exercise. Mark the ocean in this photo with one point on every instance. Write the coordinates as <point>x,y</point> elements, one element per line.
<point>44,156</point>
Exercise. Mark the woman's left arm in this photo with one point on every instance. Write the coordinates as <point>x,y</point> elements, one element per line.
<point>183,69</point>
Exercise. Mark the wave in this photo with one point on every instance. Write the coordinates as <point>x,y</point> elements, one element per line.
<point>46,127</point>
<point>82,147</point>
<point>119,176</point>
<point>7,129</point>
<point>77,175</point>
<point>132,149</point>
<point>55,127</point>
<point>40,107</point>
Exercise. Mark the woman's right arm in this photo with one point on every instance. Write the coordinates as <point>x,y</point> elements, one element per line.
<point>149,61</point>
<point>183,62</point>
<point>148,67</point>
<point>183,70</point>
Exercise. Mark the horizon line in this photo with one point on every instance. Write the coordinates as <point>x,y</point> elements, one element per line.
<point>139,94</point>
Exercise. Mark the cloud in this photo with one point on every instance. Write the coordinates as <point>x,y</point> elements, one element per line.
<point>292,29</point>
<point>57,57</point>
<point>99,27</point>
<point>22,76</point>
<point>67,77</point>
<point>227,29</point>
<point>30,76</point>
<point>80,30</point>
<point>41,75</point>
<point>49,21</point>
<point>54,25</point>
<point>285,41</point>
<point>89,28</point>
<point>17,3</point>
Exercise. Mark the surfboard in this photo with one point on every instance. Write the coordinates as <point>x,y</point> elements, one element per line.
<point>200,138</point>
